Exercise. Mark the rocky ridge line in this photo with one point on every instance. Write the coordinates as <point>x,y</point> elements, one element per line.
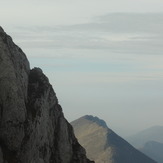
<point>103,145</point>
<point>32,125</point>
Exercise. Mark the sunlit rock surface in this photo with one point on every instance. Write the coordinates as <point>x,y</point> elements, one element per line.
<point>103,145</point>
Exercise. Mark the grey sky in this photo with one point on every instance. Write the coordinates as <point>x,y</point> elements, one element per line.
<point>54,12</point>
<point>102,57</point>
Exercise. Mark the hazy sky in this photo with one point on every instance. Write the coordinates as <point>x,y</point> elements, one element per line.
<point>103,58</point>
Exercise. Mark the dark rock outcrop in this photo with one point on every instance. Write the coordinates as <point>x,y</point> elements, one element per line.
<point>32,125</point>
<point>103,145</point>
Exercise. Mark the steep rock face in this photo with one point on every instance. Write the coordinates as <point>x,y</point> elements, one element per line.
<point>103,145</point>
<point>32,126</point>
<point>14,70</point>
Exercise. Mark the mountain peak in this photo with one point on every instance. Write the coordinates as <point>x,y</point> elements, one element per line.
<point>96,120</point>
<point>104,145</point>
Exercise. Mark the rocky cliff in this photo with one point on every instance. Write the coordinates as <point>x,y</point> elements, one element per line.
<point>32,125</point>
<point>103,145</point>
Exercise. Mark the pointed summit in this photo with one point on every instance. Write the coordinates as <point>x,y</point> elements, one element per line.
<point>103,145</point>
<point>95,119</point>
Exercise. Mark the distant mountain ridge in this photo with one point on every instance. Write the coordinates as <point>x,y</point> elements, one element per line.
<point>154,133</point>
<point>154,150</point>
<point>103,145</point>
<point>150,142</point>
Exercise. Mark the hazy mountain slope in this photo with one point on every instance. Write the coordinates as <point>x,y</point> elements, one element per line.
<point>151,134</point>
<point>103,145</point>
<point>32,126</point>
<point>154,150</point>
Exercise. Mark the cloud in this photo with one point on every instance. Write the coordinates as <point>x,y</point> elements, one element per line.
<point>118,33</point>
<point>111,64</point>
<point>118,41</point>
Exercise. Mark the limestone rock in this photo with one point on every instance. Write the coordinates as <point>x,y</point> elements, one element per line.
<point>32,125</point>
<point>14,70</point>
<point>103,145</point>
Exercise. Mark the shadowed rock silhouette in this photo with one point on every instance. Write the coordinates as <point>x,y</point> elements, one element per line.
<point>32,125</point>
